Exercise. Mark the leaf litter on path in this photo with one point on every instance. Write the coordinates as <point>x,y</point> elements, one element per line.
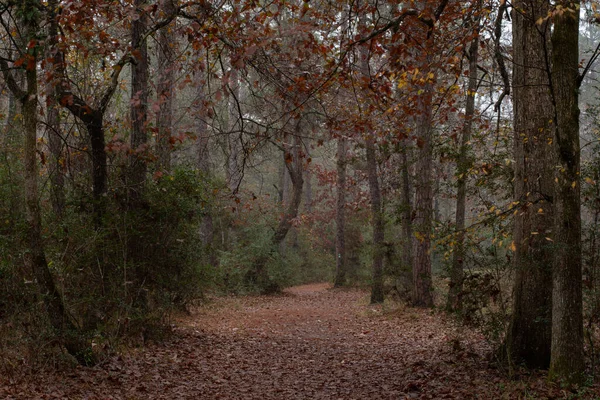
<point>312,342</point>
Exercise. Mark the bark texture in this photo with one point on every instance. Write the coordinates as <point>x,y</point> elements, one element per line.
<point>294,168</point>
<point>422,222</point>
<point>529,335</point>
<point>207,229</point>
<point>166,87</point>
<point>57,177</point>
<point>423,208</point>
<point>139,105</point>
<point>404,283</point>
<point>567,360</point>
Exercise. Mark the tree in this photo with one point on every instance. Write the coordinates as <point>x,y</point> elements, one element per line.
<point>528,338</point>
<point>64,329</point>
<point>423,206</point>
<point>57,178</point>
<point>377,220</point>
<point>340,214</point>
<point>166,87</point>
<point>567,360</point>
<point>139,104</point>
<point>377,295</point>
<point>91,116</point>
<point>404,284</point>
<point>464,163</point>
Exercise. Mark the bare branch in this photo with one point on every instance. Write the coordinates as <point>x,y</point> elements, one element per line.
<point>498,55</point>
<point>10,81</point>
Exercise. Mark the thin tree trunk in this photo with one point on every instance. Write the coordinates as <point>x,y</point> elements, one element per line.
<point>286,192</point>
<point>404,284</point>
<point>340,216</point>
<point>529,333</point>
<point>166,87</point>
<point>203,162</point>
<point>95,127</point>
<point>57,178</point>
<point>464,163</point>
<point>377,223</point>
<point>9,127</point>
<point>377,295</point>
<point>139,105</point>
<point>567,359</point>
<point>308,193</point>
<point>341,259</point>
<point>234,170</point>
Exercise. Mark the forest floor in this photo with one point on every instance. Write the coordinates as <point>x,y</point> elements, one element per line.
<point>312,342</point>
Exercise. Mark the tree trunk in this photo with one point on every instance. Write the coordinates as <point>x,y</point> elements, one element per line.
<point>36,257</point>
<point>423,209</point>
<point>234,170</point>
<point>165,88</point>
<point>464,163</point>
<point>259,274</point>
<point>139,105</point>
<point>422,222</point>
<point>203,163</point>
<point>404,283</point>
<point>529,334</point>
<point>340,216</point>
<point>57,178</point>
<point>294,167</point>
<point>95,127</point>
<point>567,359</point>
<point>308,193</point>
<point>377,223</point>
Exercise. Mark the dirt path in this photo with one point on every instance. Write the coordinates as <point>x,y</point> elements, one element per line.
<point>311,343</point>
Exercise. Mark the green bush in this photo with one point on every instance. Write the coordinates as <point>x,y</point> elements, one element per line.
<point>122,279</point>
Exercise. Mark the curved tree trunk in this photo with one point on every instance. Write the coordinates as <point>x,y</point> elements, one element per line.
<point>528,338</point>
<point>294,167</point>
<point>258,274</point>
<point>63,327</point>
<point>36,257</point>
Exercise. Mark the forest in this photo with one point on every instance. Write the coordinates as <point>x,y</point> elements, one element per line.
<point>189,185</point>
